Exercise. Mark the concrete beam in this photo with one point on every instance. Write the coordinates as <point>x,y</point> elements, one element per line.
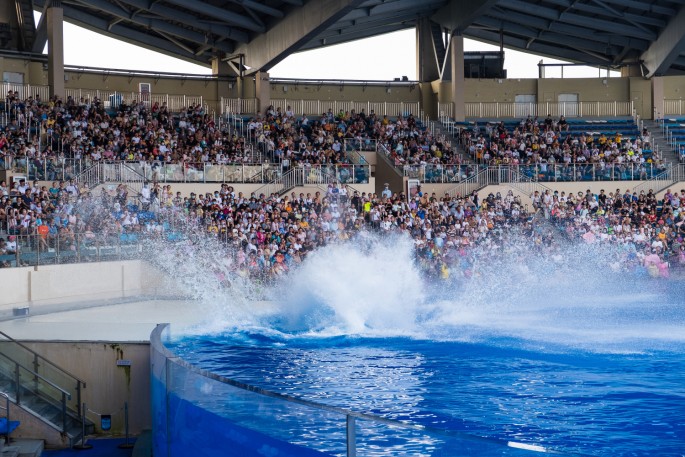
<point>668,46</point>
<point>300,26</point>
<point>165,29</point>
<point>195,22</point>
<point>128,35</point>
<point>427,62</point>
<point>457,15</point>
<point>41,32</point>
<point>220,13</point>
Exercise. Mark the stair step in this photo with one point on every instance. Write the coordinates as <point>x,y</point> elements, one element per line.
<point>10,451</point>
<point>26,447</point>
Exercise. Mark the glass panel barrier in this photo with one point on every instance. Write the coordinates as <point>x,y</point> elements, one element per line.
<point>28,375</point>
<point>196,412</point>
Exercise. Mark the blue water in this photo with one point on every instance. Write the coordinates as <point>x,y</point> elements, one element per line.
<point>595,374</point>
<point>561,349</point>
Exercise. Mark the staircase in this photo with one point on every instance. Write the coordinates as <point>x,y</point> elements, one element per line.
<point>447,132</point>
<point>113,172</point>
<point>279,186</point>
<point>660,143</point>
<point>673,174</point>
<point>42,389</point>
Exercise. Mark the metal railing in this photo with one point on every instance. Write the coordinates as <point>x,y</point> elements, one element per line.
<point>135,174</point>
<point>282,184</point>
<point>445,174</point>
<point>32,250</point>
<point>354,147</point>
<point>25,381</point>
<point>522,110</point>
<point>674,133</point>
<point>350,433</point>
<point>315,175</point>
<point>670,176</point>
<point>29,371</point>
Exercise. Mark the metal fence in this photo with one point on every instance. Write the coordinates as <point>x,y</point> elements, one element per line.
<point>574,172</point>
<point>94,173</point>
<point>33,249</point>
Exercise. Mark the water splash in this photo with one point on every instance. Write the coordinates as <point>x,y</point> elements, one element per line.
<point>564,294</point>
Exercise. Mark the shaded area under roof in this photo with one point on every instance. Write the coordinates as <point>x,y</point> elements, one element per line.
<point>609,33</point>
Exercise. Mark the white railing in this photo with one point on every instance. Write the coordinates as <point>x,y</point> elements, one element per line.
<point>238,105</point>
<point>674,107</point>
<point>445,111</point>
<point>568,109</point>
<point>25,91</point>
<point>112,99</point>
<point>317,107</point>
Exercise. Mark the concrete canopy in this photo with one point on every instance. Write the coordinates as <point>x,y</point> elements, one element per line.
<point>608,33</point>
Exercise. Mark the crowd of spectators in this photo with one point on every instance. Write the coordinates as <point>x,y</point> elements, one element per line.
<point>267,235</point>
<point>550,142</point>
<point>301,140</point>
<point>44,136</point>
<point>650,232</point>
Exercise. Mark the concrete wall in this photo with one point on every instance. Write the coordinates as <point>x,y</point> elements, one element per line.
<point>588,89</point>
<point>568,187</point>
<point>674,87</point>
<point>108,386</point>
<point>476,90</point>
<point>492,90</point>
<point>46,288</point>
<point>343,92</point>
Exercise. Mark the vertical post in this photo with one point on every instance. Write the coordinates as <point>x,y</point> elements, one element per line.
<point>351,437</point>
<point>17,392</point>
<point>83,444</point>
<point>64,414</point>
<point>125,444</point>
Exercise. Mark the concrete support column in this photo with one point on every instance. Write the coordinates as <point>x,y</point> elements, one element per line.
<point>263,90</point>
<point>658,97</point>
<point>427,69</point>
<point>55,26</point>
<point>458,86</point>
<point>631,70</point>
<point>224,88</point>
<point>220,67</point>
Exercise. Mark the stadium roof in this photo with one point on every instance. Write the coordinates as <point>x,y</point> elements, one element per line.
<point>594,32</point>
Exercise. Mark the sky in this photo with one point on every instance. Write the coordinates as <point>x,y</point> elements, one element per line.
<point>383,57</point>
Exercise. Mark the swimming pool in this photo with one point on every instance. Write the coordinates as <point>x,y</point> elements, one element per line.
<point>579,362</point>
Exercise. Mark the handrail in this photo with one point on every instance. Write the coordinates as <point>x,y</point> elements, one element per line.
<point>35,354</point>
<point>42,378</point>
<point>156,343</point>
